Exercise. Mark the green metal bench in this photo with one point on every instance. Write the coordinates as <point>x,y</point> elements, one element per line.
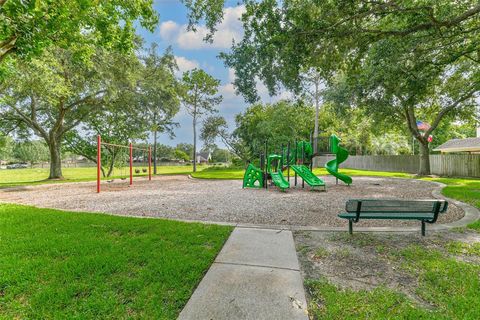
<point>424,210</point>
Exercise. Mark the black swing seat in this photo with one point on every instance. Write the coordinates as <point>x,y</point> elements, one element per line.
<point>426,211</point>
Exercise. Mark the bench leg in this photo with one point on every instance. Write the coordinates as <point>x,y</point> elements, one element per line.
<point>350,226</point>
<point>423,228</point>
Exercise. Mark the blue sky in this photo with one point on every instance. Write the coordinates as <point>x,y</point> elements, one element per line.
<point>191,52</point>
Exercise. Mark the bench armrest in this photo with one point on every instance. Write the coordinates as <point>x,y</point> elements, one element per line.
<point>440,206</point>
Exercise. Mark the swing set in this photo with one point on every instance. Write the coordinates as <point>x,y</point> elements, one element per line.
<point>118,155</point>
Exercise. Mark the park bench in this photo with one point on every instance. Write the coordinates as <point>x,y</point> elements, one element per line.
<point>424,210</point>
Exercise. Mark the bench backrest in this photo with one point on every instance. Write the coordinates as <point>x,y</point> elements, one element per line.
<point>395,206</point>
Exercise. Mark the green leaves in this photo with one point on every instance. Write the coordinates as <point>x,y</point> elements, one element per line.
<point>29,27</point>
<point>200,92</point>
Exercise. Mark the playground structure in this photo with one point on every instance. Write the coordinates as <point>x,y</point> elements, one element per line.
<point>299,158</point>
<point>118,156</point>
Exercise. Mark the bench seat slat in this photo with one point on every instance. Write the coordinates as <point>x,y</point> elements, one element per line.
<point>388,215</point>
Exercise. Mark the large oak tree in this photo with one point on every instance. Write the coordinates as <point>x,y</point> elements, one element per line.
<point>409,58</point>
<point>52,94</point>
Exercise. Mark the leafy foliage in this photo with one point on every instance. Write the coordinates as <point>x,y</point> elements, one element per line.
<point>399,60</point>
<point>277,124</point>
<point>31,26</point>
<point>31,152</point>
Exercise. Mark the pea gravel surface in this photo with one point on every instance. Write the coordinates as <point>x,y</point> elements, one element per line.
<point>183,198</point>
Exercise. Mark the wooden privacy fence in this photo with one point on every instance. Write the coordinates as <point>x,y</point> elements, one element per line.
<point>453,165</point>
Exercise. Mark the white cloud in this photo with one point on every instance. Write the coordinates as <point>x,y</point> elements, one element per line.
<point>231,75</point>
<point>185,64</point>
<point>169,29</point>
<point>230,28</point>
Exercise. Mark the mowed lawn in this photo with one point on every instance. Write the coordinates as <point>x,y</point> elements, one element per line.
<point>63,265</point>
<point>15,177</point>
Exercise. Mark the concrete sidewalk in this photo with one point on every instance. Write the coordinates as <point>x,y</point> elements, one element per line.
<point>255,276</point>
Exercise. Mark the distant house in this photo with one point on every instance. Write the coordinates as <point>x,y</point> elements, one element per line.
<point>203,157</point>
<point>470,145</point>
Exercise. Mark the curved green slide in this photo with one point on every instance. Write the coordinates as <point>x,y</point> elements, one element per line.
<point>308,176</point>
<point>341,156</point>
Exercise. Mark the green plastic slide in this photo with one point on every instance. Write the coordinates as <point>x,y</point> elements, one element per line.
<point>341,156</point>
<point>276,172</point>
<point>253,177</point>
<point>279,180</point>
<point>308,176</point>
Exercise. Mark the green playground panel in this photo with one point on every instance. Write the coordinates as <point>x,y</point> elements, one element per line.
<point>253,177</point>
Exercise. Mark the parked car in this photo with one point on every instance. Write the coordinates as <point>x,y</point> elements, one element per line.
<point>17,166</point>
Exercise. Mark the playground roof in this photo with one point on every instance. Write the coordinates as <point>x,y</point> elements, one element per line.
<point>460,145</point>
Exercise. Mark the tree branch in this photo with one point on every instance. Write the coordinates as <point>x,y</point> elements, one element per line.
<point>449,108</point>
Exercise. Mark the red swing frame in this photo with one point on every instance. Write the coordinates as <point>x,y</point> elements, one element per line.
<point>130,148</point>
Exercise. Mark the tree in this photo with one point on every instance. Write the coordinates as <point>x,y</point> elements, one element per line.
<point>199,98</point>
<point>181,155</point>
<point>187,148</point>
<point>29,27</point>
<point>160,94</point>
<point>277,123</point>
<point>54,93</point>
<point>221,155</point>
<point>119,122</point>
<point>414,55</point>
<point>313,78</point>
<point>216,127</point>
<point>6,147</point>
<point>31,152</point>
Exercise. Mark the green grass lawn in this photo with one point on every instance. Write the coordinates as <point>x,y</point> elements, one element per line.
<point>17,177</point>
<point>64,265</point>
<point>447,287</point>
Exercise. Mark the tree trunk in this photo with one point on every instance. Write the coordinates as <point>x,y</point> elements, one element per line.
<point>55,159</point>
<point>194,144</point>
<point>111,166</point>
<point>155,152</point>
<point>424,158</point>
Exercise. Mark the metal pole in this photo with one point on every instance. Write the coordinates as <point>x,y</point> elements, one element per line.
<point>266,162</point>
<point>150,163</point>
<point>303,161</point>
<point>99,161</point>
<point>131,163</point>
<point>288,161</point>
<point>155,152</point>
<point>296,160</point>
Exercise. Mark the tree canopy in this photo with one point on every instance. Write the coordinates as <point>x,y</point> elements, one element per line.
<point>28,27</point>
<point>401,59</point>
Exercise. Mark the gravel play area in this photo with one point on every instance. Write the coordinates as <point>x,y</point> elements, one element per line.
<point>180,197</point>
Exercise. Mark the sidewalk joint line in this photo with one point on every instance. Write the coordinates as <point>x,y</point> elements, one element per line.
<point>255,265</point>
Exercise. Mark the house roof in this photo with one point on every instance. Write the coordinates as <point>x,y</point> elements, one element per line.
<point>204,155</point>
<point>460,145</point>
